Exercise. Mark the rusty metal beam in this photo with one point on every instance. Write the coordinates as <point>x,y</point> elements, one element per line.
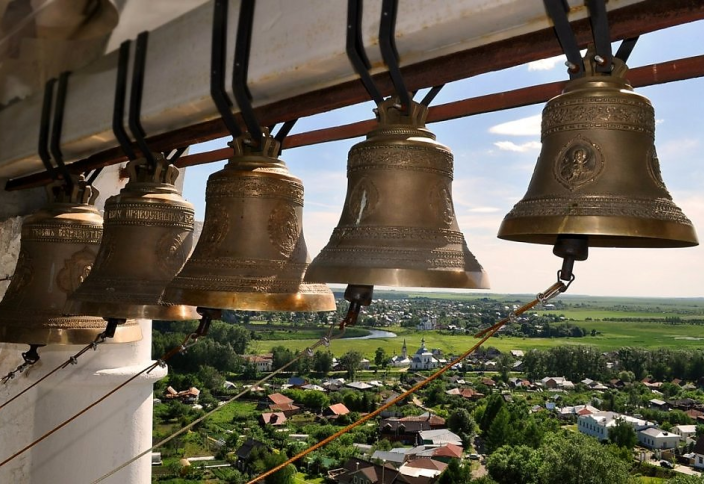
<point>638,19</point>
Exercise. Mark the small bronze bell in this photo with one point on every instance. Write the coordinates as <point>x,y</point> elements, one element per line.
<point>148,237</point>
<point>398,225</point>
<point>598,175</point>
<point>251,254</point>
<point>57,248</point>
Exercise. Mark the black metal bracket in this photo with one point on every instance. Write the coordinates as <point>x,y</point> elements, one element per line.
<point>557,10</point>
<point>43,146</point>
<point>217,68</point>
<point>355,50</point>
<point>602,38</point>
<point>430,95</point>
<point>140,61</point>
<point>387,44</point>
<point>625,49</point>
<point>239,78</point>
<point>56,128</point>
<point>118,113</point>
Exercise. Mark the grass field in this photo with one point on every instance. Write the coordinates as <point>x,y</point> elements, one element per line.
<point>613,335</point>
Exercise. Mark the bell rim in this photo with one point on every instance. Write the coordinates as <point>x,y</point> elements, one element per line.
<point>605,231</point>
<point>160,312</point>
<point>253,301</point>
<point>124,333</point>
<point>398,277</point>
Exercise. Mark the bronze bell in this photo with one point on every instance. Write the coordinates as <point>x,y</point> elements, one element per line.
<point>148,237</point>
<point>251,254</point>
<point>598,174</point>
<point>57,248</point>
<point>398,225</point>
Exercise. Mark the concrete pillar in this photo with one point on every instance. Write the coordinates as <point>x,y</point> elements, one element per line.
<point>107,435</point>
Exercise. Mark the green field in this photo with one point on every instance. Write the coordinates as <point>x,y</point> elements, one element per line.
<point>613,335</point>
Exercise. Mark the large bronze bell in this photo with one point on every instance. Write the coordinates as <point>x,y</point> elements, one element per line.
<point>598,174</point>
<point>398,225</point>
<point>251,254</point>
<point>57,248</point>
<point>148,237</point>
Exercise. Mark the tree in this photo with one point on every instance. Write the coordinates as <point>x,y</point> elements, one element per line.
<point>462,423</point>
<point>322,362</point>
<point>381,359</point>
<point>455,473</point>
<point>623,434</point>
<point>513,465</point>
<point>574,458</point>
<point>499,430</point>
<point>351,361</point>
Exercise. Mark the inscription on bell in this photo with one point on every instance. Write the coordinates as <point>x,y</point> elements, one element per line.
<point>122,214</point>
<point>68,234</point>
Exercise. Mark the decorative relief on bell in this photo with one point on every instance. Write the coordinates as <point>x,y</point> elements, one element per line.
<point>627,113</point>
<point>284,229</point>
<point>215,230</point>
<point>364,199</point>
<point>579,162</point>
<point>440,201</point>
<point>654,169</point>
<point>75,270</point>
<point>172,250</point>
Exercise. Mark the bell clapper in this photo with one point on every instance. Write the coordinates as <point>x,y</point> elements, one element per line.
<point>571,248</point>
<point>358,296</point>
<point>30,357</point>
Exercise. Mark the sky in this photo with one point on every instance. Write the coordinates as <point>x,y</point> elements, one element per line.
<point>495,155</point>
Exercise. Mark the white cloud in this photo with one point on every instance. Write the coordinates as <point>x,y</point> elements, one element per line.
<point>529,126</point>
<point>522,148</point>
<point>546,64</point>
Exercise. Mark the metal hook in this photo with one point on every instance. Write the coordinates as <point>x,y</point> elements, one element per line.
<point>140,60</point>
<point>557,10</point>
<point>387,44</point>
<point>600,31</point>
<point>355,49</point>
<point>217,68</point>
<point>55,143</point>
<point>239,77</point>
<point>118,113</point>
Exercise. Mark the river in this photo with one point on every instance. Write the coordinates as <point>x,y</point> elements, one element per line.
<point>376,333</point>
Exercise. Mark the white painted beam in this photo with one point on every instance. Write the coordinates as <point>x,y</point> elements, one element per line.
<point>297,47</point>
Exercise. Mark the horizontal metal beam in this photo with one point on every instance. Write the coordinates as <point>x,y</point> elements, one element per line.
<point>629,21</point>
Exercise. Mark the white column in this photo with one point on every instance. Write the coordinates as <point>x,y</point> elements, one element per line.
<point>107,435</point>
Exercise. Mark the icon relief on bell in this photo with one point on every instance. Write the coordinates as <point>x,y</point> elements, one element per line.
<point>579,162</point>
<point>284,229</point>
<point>363,200</point>
<point>75,270</point>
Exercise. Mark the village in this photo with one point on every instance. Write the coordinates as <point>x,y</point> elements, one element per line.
<point>457,428</point>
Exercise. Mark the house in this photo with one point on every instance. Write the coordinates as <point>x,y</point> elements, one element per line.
<point>555,382</point>
<point>360,385</point>
<point>427,324</point>
<point>653,438</point>
<point>278,399</point>
<point>263,363</point>
<point>422,468</point>
<point>657,404</point>
<point>364,364</point>
<point>275,419</point>
<point>334,411</point>
<point>297,381</point>
<point>287,409</point>
<point>467,393</point>
<point>396,459</point>
<point>685,431</point>
<point>439,437</point>
<point>699,453</point>
<point>406,429</point>
<point>185,396</point>
<point>358,471</point>
<point>517,353</point>
<point>424,359</point>
<point>444,453</point>
<point>244,453</point>
<point>598,424</point>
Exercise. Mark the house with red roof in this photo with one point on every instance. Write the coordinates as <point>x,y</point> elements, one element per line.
<point>334,411</point>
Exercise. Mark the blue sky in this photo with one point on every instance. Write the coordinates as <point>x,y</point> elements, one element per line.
<point>494,158</point>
